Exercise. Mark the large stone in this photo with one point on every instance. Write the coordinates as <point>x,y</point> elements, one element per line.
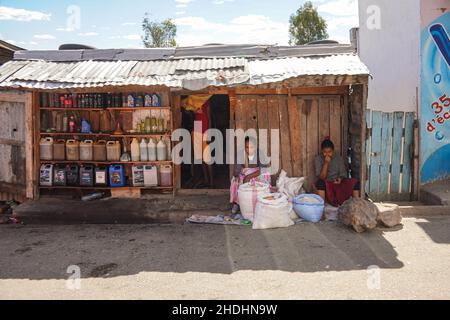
<point>388,214</point>
<point>360,214</point>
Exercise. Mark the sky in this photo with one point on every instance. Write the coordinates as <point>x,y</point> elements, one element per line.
<point>46,24</point>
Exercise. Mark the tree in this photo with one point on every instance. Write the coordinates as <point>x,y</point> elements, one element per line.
<point>307,25</point>
<point>159,34</point>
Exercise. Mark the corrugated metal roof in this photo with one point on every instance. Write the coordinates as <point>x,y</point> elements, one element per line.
<point>275,64</point>
<point>276,70</point>
<point>192,74</point>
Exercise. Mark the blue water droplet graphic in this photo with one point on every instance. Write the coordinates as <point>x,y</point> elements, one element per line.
<point>439,136</point>
<point>437,78</point>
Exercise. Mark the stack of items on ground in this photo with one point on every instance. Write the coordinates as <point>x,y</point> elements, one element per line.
<point>6,212</point>
<point>265,207</point>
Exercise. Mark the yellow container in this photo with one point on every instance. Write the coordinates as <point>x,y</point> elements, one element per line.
<point>166,176</point>
<point>72,150</point>
<point>46,148</point>
<point>59,150</point>
<point>87,150</point>
<point>113,151</point>
<point>100,150</point>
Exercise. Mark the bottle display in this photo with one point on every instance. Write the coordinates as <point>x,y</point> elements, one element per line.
<point>104,140</point>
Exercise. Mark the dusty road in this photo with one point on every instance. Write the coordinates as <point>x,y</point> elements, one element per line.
<point>323,261</point>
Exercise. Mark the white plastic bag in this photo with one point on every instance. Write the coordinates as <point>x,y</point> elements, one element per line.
<point>272,211</point>
<point>291,187</point>
<point>248,195</point>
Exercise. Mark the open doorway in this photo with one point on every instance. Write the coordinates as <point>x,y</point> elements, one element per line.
<point>216,115</point>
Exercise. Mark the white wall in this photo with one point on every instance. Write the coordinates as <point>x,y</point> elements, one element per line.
<point>391,53</point>
<point>432,9</point>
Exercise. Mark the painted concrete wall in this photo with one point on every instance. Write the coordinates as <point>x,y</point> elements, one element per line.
<point>432,9</point>
<point>389,41</point>
<point>435,90</point>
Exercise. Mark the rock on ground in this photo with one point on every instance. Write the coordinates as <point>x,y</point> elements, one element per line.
<point>388,214</point>
<point>359,214</point>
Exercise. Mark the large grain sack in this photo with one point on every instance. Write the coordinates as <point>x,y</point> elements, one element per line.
<point>291,187</point>
<point>273,210</point>
<point>248,197</point>
<point>388,214</point>
<point>360,214</point>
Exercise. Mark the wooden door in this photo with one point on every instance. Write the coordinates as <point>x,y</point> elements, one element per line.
<point>15,144</point>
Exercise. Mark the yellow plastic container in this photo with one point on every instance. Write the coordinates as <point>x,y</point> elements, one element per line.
<point>100,150</point>
<point>59,150</point>
<point>113,151</point>
<point>46,148</point>
<point>166,176</point>
<point>72,150</point>
<point>87,150</point>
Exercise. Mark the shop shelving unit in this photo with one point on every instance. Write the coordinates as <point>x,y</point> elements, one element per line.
<point>125,138</point>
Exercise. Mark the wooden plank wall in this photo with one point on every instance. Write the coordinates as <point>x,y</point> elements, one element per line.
<point>390,152</point>
<point>14,144</point>
<point>303,121</point>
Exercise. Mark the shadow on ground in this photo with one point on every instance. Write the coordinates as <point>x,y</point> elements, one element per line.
<point>437,228</point>
<point>45,252</point>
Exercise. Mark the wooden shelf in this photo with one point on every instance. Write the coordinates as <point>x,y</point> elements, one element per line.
<point>138,135</point>
<point>106,162</point>
<point>102,188</point>
<point>109,135</point>
<point>103,109</point>
<point>75,134</point>
<point>138,108</point>
<point>73,109</point>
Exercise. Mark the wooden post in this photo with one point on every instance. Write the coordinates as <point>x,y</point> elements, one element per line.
<point>416,162</point>
<point>176,124</point>
<point>363,167</point>
<point>29,142</point>
<point>233,101</point>
<point>36,118</point>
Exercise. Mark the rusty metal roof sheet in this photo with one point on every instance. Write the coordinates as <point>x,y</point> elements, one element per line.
<point>276,70</point>
<point>190,74</point>
<point>252,65</point>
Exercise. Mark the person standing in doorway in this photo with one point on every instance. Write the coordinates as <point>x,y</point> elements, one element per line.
<point>202,122</point>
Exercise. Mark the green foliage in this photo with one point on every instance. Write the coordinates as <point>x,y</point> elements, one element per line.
<point>159,34</point>
<point>307,25</point>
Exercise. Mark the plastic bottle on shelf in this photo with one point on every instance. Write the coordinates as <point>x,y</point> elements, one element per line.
<point>151,149</point>
<point>154,122</point>
<point>135,150</point>
<point>59,122</point>
<point>156,100</point>
<point>87,150</point>
<point>46,148</point>
<point>65,123</point>
<point>160,123</point>
<point>166,176</point>
<point>148,100</point>
<point>148,125</point>
<point>161,151</point>
<point>144,150</point>
<point>72,124</point>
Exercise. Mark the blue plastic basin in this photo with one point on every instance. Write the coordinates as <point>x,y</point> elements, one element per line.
<point>308,211</point>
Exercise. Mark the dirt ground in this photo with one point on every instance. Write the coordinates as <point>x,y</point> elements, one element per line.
<point>307,261</point>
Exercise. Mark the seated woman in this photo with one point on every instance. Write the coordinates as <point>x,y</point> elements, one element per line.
<point>251,171</point>
<point>332,183</point>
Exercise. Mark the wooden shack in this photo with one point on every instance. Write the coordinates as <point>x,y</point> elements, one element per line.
<point>307,92</point>
<point>7,51</point>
